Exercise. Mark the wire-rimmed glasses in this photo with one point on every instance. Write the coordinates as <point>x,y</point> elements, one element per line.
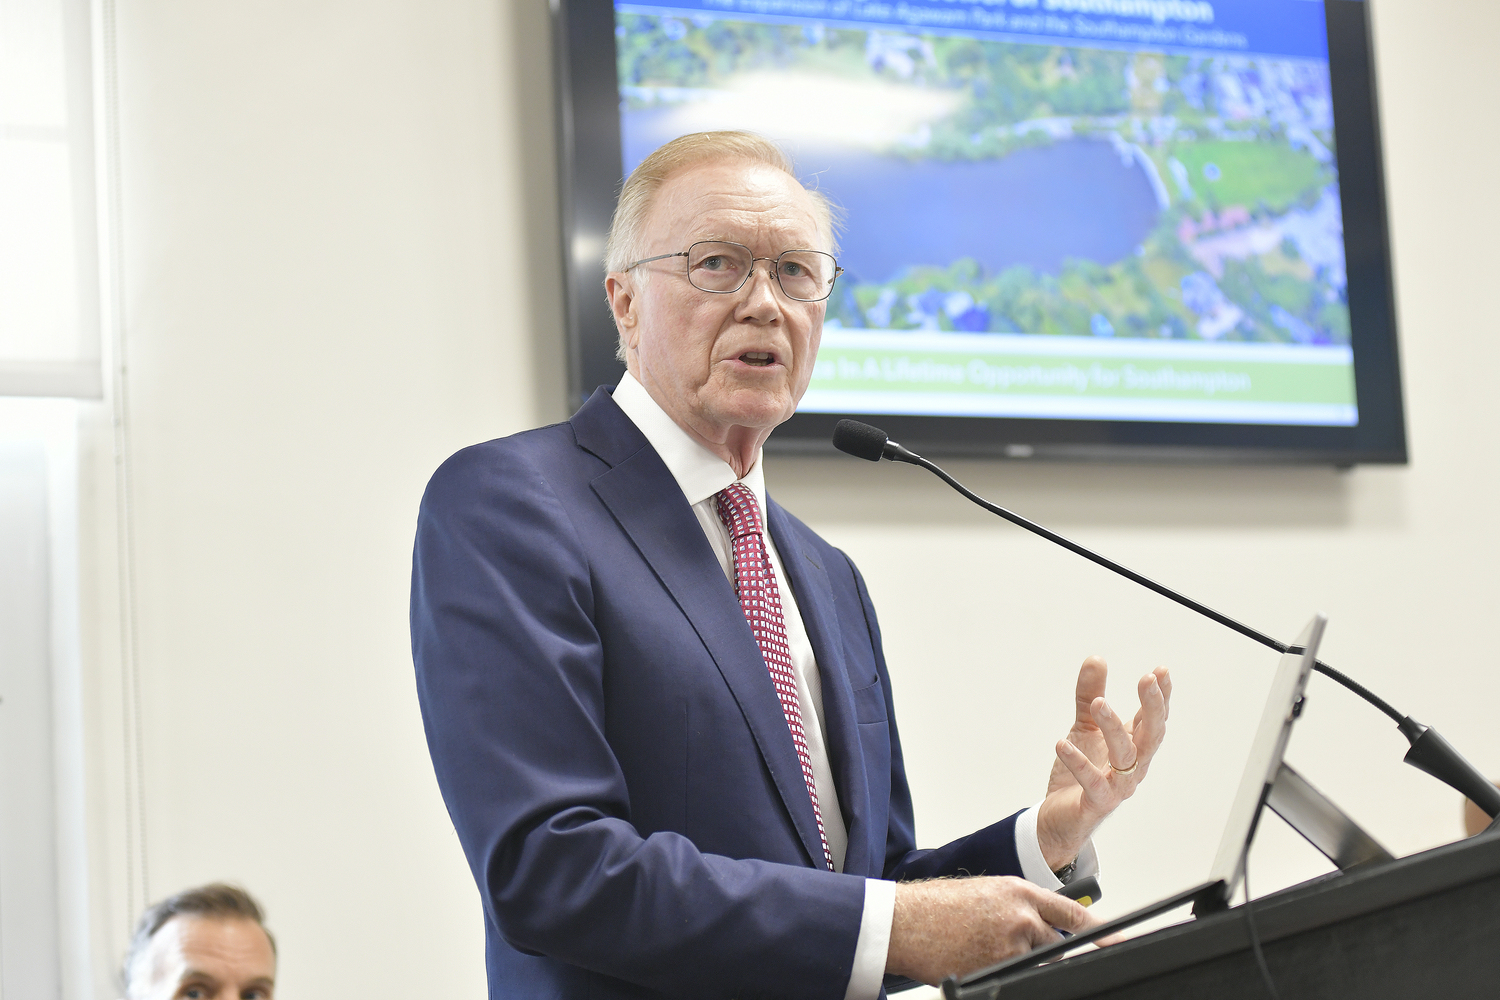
<point>717,266</point>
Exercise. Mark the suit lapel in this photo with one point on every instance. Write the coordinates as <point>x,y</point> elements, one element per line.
<point>809,583</point>
<point>640,492</point>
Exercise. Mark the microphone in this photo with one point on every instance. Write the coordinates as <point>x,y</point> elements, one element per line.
<point>860,440</point>
<point>869,443</point>
<point>1429,751</point>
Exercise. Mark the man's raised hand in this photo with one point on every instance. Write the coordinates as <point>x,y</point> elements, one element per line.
<point>1101,762</point>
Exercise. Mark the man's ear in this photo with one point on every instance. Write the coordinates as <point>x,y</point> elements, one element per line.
<point>624,307</point>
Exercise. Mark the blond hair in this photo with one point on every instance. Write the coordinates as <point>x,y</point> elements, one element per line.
<point>626,231</point>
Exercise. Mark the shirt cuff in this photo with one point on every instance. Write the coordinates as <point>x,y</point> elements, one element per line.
<point>874,943</point>
<point>1034,867</point>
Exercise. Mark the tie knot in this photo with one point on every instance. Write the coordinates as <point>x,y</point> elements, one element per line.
<point>738,510</point>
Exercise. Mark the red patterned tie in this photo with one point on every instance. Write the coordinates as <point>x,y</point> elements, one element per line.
<point>760,599</point>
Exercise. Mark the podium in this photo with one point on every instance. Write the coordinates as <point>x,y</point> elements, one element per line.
<point>1427,925</point>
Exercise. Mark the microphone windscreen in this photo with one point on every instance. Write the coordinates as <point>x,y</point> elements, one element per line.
<point>860,440</point>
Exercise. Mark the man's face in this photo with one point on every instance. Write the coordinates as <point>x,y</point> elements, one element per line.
<point>206,958</point>
<point>720,362</point>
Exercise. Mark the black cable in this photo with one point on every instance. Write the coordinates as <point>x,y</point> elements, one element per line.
<point>1260,956</point>
<point>1150,584</point>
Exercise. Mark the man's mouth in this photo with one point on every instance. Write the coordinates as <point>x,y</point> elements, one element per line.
<point>758,358</point>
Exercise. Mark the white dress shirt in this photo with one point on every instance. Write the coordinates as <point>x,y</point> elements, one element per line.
<point>701,474</point>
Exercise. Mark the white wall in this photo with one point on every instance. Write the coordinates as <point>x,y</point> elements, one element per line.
<point>339,259</point>
<point>338,254</point>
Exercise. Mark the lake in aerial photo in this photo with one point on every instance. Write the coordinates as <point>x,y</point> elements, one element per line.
<point>1037,206</point>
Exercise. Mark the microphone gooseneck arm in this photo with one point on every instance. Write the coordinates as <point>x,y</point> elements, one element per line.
<point>1429,751</point>
<point>1147,582</point>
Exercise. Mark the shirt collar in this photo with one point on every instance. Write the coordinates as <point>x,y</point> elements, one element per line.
<point>699,472</point>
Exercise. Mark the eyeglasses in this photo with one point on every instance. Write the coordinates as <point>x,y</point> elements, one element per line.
<point>715,266</point>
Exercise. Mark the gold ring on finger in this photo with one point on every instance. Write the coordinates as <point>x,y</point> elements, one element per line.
<point>1126,770</point>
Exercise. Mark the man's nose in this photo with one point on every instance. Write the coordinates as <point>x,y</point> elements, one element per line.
<point>760,287</point>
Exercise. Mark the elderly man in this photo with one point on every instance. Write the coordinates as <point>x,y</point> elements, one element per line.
<point>657,703</point>
<point>208,943</point>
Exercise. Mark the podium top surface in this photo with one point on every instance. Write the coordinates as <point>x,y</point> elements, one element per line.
<point>1289,913</point>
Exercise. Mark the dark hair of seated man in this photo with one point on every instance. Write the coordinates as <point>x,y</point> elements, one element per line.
<point>210,941</point>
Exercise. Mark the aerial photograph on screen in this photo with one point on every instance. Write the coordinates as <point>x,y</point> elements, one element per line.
<point>1053,227</point>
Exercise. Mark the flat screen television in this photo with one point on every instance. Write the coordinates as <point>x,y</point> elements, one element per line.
<point>1105,229</point>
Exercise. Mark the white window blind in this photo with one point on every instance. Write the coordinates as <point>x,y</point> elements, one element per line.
<point>49,259</point>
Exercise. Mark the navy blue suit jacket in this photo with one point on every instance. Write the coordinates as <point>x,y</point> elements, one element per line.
<point>610,747</point>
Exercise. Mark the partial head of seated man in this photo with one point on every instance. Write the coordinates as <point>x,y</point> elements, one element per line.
<point>208,943</point>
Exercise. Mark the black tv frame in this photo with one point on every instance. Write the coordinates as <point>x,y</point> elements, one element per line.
<point>589,146</point>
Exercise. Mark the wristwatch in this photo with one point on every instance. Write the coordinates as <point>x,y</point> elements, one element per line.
<point>1066,872</point>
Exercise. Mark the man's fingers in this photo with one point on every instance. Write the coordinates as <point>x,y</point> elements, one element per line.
<point>1122,750</point>
<point>1091,678</point>
<point>1154,692</point>
<point>1062,912</point>
<point>1164,681</point>
<point>1038,933</point>
<point>1151,720</point>
<point>1079,766</point>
